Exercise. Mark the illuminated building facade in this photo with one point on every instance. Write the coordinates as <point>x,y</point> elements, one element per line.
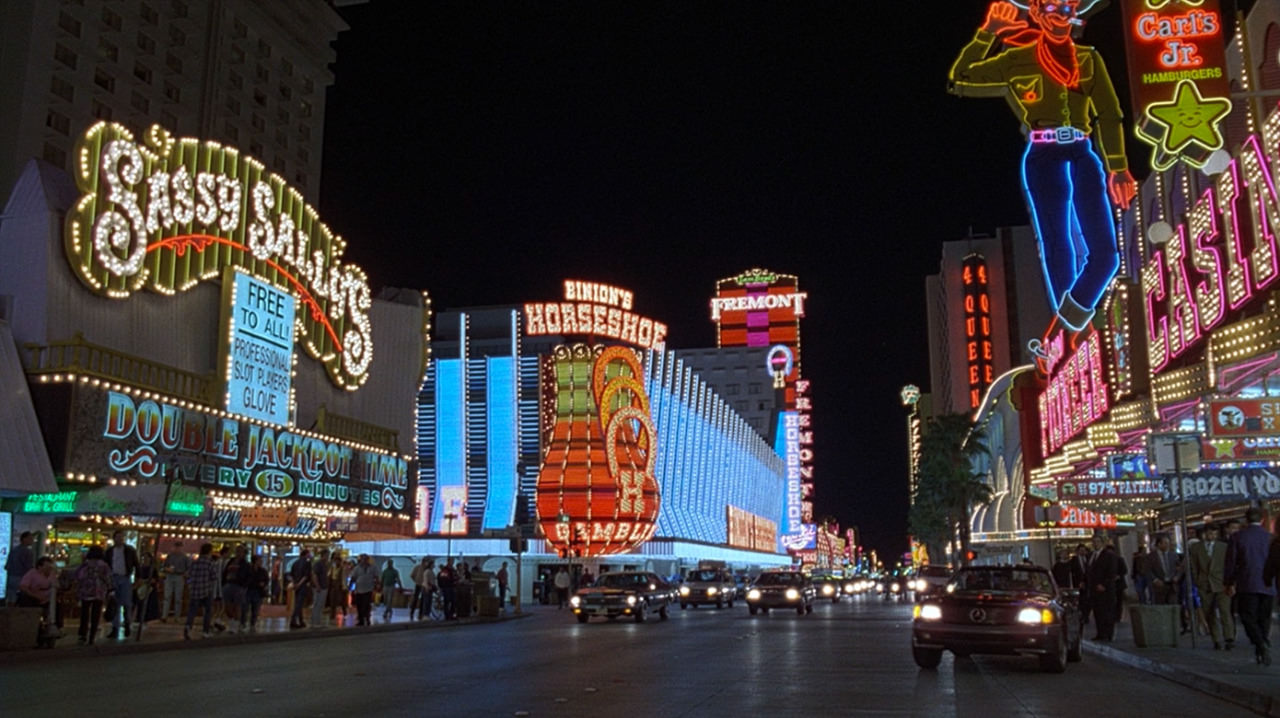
<point>247,74</point>
<point>984,305</point>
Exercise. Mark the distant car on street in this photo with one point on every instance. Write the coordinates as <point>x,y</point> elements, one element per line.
<point>930,580</point>
<point>706,586</point>
<point>624,593</point>
<point>781,589</point>
<point>1011,610</point>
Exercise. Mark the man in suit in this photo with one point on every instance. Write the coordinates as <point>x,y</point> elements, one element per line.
<point>1104,568</point>
<point>1208,567</point>
<point>1080,579</point>
<point>1246,557</point>
<point>1162,572</point>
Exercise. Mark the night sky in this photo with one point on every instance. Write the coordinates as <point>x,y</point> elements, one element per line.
<point>486,151</point>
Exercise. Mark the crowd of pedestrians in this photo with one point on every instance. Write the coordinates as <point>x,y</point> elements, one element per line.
<point>1227,576</point>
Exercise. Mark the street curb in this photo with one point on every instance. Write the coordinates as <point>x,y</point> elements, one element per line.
<point>130,647</point>
<point>1259,703</point>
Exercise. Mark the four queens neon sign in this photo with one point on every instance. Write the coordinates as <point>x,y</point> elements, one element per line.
<point>167,214</point>
<point>1220,257</point>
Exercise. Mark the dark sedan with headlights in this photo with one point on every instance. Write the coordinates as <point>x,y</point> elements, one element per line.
<point>781,589</point>
<point>624,593</point>
<point>1010,610</point>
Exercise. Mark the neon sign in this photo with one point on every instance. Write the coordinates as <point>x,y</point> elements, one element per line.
<point>760,308</point>
<point>1219,258</point>
<point>788,441</point>
<point>596,310</point>
<point>1178,78</point>
<point>1075,397</point>
<point>793,301</point>
<point>1077,517</point>
<point>167,214</point>
<point>804,418</point>
<point>749,531</point>
<point>977,327</point>
<point>257,348</point>
<point>780,362</point>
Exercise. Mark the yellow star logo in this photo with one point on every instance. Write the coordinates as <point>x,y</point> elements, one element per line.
<point>1223,448</point>
<point>1188,118</point>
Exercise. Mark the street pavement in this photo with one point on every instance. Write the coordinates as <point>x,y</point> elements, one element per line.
<point>851,658</point>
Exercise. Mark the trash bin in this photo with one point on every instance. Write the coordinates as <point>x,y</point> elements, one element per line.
<point>1155,626</point>
<point>18,628</point>
<point>487,606</point>
<point>462,599</point>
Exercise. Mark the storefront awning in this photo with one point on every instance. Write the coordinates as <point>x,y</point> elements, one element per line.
<point>24,461</point>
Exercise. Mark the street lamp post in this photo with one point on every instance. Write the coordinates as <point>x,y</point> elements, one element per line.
<point>568,552</point>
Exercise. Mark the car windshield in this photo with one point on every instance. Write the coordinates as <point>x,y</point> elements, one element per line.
<point>935,572</point>
<point>779,579</point>
<point>703,576</point>
<point>623,580</point>
<point>1013,580</point>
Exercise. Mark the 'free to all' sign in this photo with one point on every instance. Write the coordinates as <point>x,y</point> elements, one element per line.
<point>259,349</point>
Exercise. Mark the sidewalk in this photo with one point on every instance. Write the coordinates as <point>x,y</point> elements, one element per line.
<point>157,636</point>
<point>1229,675</point>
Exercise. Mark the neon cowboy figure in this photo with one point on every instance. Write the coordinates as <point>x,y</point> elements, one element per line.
<point>1065,99</point>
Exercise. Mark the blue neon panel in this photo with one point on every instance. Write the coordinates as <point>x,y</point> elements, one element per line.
<point>451,445</point>
<point>500,387</point>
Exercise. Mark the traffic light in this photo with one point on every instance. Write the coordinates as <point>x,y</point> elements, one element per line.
<point>523,514</point>
<point>519,545</point>
<point>970,555</point>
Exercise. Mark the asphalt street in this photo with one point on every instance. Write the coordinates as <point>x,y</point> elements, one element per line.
<point>851,658</point>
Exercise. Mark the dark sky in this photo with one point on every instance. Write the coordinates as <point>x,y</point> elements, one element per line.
<point>485,151</point>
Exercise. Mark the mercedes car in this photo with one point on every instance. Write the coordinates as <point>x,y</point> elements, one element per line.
<point>1009,610</point>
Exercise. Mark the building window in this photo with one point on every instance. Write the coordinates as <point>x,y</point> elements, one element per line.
<point>303,155</point>
<point>278,165</point>
<point>173,62</point>
<point>282,115</point>
<point>108,51</point>
<point>146,44</point>
<point>236,80</point>
<point>753,388</point>
<point>140,103</point>
<point>172,93</point>
<point>263,74</point>
<point>65,56</point>
<point>61,88</point>
<point>179,9</point>
<point>282,137</point>
<point>177,38</point>
<point>101,111</point>
<point>103,80</point>
<point>304,108</point>
<point>237,54</point>
<point>286,92</point>
<point>142,72</point>
<point>304,131</point>
<point>308,85</point>
<point>54,155</point>
<point>732,389</point>
<point>233,105</point>
<point>260,97</point>
<point>258,123</point>
<point>239,29</point>
<point>111,20</point>
<point>70,24</point>
<point>264,50</point>
<point>286,67</point>
<point>58,122</point>
<point>300,178</point>
<point>148,14</point>
<point>256,148</point>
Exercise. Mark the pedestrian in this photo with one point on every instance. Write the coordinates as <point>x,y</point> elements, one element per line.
<point>337,593</point>
<point>466,571</point>
<point>1103,569</point>
<point>415,603</point>
<point>219,563</point>
<point>300,575</point>
<point>232,589</point>
<point>447,580</point>
<point>1138,572</point>
<point>256,583</point>
<point>1080,575</point>
<point>320,576</point>
<point>93,583</point>
<point>562,587</point>
<point>277,578</point>
<point>502,587</point>
<point>390,584</point>
<point>202,580</point>
<point>1243,575</point>
<point>22,558</point>
<point>35,591</point>
<point>587,579</point>
<point>123,561</point>
<point>1208,570</point>
<point>1062,570</point>
<point>146,588</point>
<point>429,588</point>
<point>364,580</point>
<point>176,565</point>
<point>1163,572</point>
<point>1122,570</point>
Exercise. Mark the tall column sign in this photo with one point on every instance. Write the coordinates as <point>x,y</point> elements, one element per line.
<point>256,349</point>
<point>1178,78</point>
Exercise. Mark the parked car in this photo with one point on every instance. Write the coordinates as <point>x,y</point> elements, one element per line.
<point>1012,610</point>
<point>708,586</point>
<point>623,593</point>
<point>781,589</point>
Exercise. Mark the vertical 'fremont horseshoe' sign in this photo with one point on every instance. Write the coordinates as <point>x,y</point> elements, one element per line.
<point>167,214</point>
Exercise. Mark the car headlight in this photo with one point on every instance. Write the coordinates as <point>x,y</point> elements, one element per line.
<point>711,591</point>
<point>928,611</point>
<point>575,601</point>
<point>684,590</point>
<point>828,589</point>
<point>792,594</point>
<point>631,600</point>
<point>895,587</point>
<point>753,595</point>
<point>880,587</point>
<point>1035,616</point>
<point>849,588</point>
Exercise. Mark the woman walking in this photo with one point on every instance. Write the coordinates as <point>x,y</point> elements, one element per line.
<point>390,584</point>
<point>93,582</point>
